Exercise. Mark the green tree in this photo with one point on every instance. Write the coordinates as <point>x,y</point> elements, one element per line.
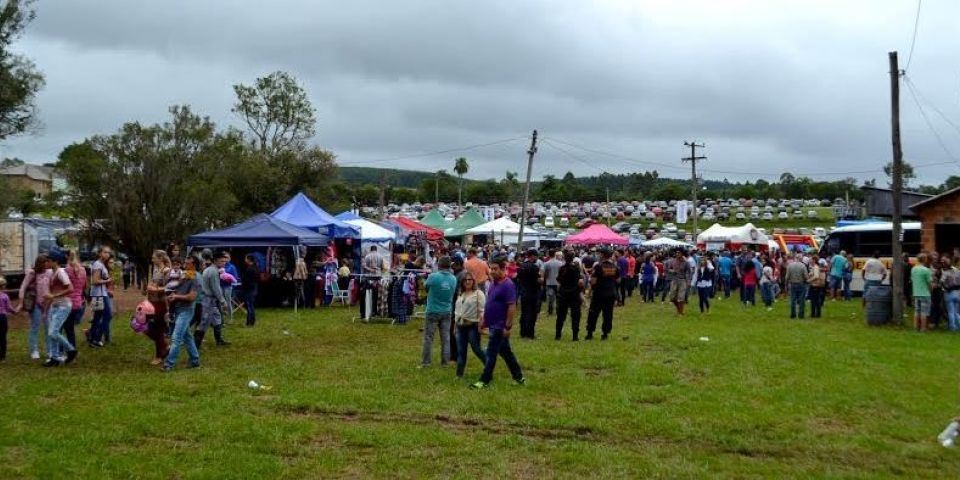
<point>461,167</point>
<point>511,186</point>
<point>277,112</point>
<point>908,173</point>
<point>953,181</point>
<point>147,185</point>
<point>19,78</point>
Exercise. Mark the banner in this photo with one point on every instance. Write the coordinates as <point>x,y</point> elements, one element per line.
<point>682,211</point>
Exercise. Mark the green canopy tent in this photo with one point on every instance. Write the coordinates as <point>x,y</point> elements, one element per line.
<point>435,219</point>
<point>469,219</point>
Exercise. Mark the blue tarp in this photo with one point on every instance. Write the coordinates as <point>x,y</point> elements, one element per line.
<point>261,230</point>
<point>303,212</point>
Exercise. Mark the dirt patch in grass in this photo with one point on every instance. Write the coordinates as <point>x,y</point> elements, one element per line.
<point>458,423</point>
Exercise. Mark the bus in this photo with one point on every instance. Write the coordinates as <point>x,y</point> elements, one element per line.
<point>864,239</point>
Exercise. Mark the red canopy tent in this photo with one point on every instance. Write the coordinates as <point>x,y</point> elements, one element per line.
<point>596,234</point>
<point>433,235</point>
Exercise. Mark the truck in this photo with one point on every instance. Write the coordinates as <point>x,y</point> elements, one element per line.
<point>22,240</point>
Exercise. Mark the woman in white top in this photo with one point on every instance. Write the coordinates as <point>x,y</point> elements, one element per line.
<point>767,281</point>
<point>469,315</point>
<point>704,281</point>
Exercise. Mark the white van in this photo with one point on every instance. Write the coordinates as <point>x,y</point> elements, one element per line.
<point>564,222</point>
<point>548,222</point>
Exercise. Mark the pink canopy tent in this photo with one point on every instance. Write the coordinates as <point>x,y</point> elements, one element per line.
<point>596,234</point>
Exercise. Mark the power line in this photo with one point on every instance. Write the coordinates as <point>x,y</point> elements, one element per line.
<point>926,120</point>
<point>438,152</point>
<point>630,160</point>
<point>913,41</point>
<point>552,145</point>
<point>930,104</point>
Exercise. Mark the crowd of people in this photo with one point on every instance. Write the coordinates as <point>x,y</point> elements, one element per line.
<point>192,291</point>
<point>466,291</point>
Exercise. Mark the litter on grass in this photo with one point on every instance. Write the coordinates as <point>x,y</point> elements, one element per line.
<point>704,339</point>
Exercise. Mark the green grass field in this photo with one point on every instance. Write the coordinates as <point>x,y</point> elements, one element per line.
<point>765,397</point>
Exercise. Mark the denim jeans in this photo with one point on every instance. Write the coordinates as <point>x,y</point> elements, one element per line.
<point>441,320</point>
<point>499,345</point>
<point>817,294</point>
<point>703,293</point>
<point>249,299</point>
<point>468,334</point>
<point>57,343</point>
<point>766,293</point>
<point>551,294</point>
<point>100,325</point>
<point>646,288</point>
<point>228,296</point>
<point>847,280</point>
<point>69,326</point>
<point>798,299</point>
<point>37,320</point>
<point>749,294</point>
<point>181,335</point>
<point>952,299</point>
<point>725,284</point>
<point>666,290</point>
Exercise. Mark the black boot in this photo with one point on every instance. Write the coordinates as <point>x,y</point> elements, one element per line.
<point>198,337</point>
<point>218,334</point>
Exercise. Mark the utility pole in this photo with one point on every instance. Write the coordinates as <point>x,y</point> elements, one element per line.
<point>526,189</point>
<point>383,194</point>
<point>896,277</point>
<point>693,159</point>
<point>608,207</point>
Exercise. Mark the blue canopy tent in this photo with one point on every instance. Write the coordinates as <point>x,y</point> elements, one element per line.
<point>261,230</point>
<point>303,212</point>
<point>263,233</point>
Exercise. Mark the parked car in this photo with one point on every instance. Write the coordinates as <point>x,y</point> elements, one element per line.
<point>811,214</point>
<point>768,216</point>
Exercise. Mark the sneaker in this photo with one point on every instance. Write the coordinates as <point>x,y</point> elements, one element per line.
<point>223,343</point>
<point>769,309</point>
<point>603,337</point>
<point>51,362</point>
<point>478,386</point>
<point>34,355</point>
<point>195,365</point>
<point>521,381</point>
<point>71,356</point>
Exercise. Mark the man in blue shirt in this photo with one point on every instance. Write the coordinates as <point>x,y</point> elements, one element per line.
<point>441,287</point>
<point>725,264</point>
<point>837,265</point>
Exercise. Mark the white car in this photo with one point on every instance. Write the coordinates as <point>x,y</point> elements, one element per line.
<point>798,213</point>
<point>783,215</point>
<point>564,222</point>
<point>670,227</point>
<point>741,216</point>
<point>548,222</point>
<point>811,214</point>
<point>768,216</point>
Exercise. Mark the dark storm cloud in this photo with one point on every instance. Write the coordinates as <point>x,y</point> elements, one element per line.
<point>770,86</point>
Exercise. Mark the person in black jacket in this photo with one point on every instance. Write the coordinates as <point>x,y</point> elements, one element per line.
<point>569,295</point>
<point>249,279</point>
<point>529,279</point>
<point>604,281</point>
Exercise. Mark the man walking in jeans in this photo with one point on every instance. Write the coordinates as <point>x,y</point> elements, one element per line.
<point>796,280</point>
<point>181,308</point>
<point>498,315</point>
<point>441,287</point>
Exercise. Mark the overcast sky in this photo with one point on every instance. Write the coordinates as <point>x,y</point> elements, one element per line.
<point>769,86</point>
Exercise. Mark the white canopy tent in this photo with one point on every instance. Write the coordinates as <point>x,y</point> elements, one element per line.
<point>718,237</point>
<point>505,231</point>
<point>664,242</point>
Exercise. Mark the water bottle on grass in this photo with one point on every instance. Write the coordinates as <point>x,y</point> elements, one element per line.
<point>949,435</point>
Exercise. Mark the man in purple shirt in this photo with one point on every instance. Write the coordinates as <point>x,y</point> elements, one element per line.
<point>498,315</point>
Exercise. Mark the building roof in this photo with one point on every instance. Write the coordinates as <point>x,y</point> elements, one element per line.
<point>34,172</point>
<point>934,199</point>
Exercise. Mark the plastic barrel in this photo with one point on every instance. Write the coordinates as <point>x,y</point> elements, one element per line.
<point>879,302</point>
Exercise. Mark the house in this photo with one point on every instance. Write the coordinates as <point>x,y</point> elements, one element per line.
<point>878,202</point>
<point>37,178</point>
<point>939,221</point>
